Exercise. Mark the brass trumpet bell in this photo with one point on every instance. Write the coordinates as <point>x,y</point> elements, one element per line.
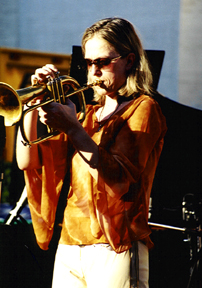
<point>12,102</point>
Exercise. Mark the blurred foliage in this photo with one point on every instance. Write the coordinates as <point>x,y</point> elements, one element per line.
<point>7,168</point>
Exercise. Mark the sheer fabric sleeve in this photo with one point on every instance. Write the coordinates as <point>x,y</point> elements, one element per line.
<point>123,158</point>
<point>44,186</point>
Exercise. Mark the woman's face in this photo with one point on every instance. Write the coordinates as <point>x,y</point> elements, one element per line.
<point>113,75</point>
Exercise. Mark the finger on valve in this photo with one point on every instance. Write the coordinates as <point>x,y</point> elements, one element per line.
<point>34,80</point>
<point>43,74</point>
<point>49,70</point>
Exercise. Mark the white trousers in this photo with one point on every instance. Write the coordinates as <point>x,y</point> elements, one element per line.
<point>98,266</point>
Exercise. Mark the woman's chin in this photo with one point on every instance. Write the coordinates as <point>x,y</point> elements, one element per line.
<point>100,91</point>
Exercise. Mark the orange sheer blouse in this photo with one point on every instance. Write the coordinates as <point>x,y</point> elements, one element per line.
<point>114,207</point>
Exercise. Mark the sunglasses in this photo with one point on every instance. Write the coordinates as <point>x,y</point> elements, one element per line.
<point>101,62</point>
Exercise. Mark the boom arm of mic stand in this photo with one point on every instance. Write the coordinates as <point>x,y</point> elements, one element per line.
<point>162,226</point>
<point>158,226</point>
<point>18,208</point>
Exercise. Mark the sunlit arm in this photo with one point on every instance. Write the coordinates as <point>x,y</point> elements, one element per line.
<point>28,157</point>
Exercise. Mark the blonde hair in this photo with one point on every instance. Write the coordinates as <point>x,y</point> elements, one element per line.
<point>121,34</point>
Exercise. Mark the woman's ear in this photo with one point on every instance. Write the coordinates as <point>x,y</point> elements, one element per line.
<point>130,61</point>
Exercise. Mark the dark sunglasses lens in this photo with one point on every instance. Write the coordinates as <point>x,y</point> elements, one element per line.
<point>89,62</point>
<point>100,62</point>
<point>103,62</point>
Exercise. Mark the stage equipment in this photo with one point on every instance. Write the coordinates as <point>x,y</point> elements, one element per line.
<point>11,101</point>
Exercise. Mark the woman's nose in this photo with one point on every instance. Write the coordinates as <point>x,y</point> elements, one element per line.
<point>95,70</point>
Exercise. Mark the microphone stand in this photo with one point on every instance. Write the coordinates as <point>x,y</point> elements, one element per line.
<point>15,212</point>
<point>191,215</point>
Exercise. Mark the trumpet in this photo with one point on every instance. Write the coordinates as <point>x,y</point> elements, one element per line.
<point>12,102</point>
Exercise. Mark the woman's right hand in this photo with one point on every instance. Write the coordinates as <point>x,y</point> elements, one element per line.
<point>41,74</point>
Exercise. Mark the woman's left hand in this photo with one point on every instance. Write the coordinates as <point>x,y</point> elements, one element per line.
<point>58,116</point>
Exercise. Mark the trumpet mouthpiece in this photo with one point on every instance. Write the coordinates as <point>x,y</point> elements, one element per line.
<point>95,83</point>
<point>98,82</point>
